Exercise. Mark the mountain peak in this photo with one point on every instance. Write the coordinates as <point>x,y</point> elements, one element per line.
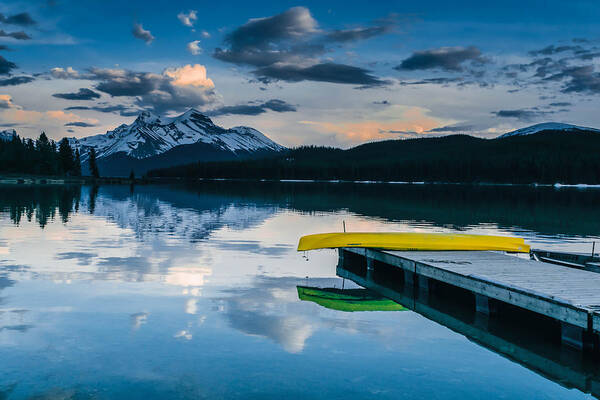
<point>193,113</point>
<point>547,126</point>
<point>147,117</point>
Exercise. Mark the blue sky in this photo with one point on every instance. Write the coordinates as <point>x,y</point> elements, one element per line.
<point>318,72</point>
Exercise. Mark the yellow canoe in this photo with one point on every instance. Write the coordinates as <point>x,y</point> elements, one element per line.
<point>412,241</point>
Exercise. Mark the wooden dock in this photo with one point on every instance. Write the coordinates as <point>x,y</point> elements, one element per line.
<point>514,341</point>
<point>570,296</point>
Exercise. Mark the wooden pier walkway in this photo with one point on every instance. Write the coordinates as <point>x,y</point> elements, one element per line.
<point>562,365</point>
<point>568,295</point>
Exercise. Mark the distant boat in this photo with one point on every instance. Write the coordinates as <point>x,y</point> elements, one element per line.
<point>348,300</point>
<point>412,241</point>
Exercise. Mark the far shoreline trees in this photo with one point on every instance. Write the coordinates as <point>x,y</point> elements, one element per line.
<point>547,157</point>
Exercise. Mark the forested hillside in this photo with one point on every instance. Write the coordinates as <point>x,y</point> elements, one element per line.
<point>545,157</point>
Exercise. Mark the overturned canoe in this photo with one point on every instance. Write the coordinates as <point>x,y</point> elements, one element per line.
<point>408,241</point>
<point>348,300</point>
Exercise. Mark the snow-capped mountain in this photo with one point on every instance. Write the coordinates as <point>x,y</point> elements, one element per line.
<point>150,135</point>
<point>154,141</point>
<point>7,134</point>
<point>547,126</point>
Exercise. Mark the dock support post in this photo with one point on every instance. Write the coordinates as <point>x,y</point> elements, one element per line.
<point>423,285</point>
<point>484,305</point>
<point>409,278</point>
<point>370,263</point>
<point>575,336</point>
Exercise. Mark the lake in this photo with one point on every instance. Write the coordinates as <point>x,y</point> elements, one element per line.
<point>190,291</point>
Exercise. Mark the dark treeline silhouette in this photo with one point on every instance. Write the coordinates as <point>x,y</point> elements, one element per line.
<point>39,157</point>
<point>547,157</point>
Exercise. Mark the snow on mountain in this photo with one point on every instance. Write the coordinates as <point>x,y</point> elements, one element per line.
<point>7,134</point>
<point>150,135</point>
<point>547,126</point>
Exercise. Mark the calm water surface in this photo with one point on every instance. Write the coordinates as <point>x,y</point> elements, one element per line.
<point>190,292</point>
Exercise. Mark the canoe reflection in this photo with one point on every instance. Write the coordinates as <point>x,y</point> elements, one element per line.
<point>348,300</point>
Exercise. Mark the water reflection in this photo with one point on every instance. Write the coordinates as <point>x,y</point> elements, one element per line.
<point>192,291</point>
<point>525,338</point>
<point>39,201</point>
<point>269,308</point>
<point>195,211</point>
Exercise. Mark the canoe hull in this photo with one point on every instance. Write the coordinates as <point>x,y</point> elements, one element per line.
<point>413,241</point>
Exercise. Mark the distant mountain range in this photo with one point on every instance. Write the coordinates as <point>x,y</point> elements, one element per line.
<point>548,126</point>
<point>153,141</point>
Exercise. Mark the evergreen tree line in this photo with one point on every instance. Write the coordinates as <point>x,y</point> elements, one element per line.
<point>39,157</point>
<point>548,157</point>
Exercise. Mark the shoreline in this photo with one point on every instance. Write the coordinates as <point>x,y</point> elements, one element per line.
<point>86,180</point>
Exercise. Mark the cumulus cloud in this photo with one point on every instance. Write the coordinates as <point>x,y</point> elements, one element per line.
<point>254,109</point>
<point>188,19</point>
<point>62,73</point>
<point>522,114</point>
<point>123,110</point>
<point>279,38</point>
<point>22,19</point>
<point>16,80</point>
<point>444,58</point>
<point>173,90</point>
<point>297,54</point>
<point>141,33</point>
<point>325,72</point>
<point>433,81</point>
<point>121,82</point>
<point>205,34</point>
<point>561,104</point>
<point>566,64</point>
<point>260,33</point>
<point>6,66</point>
<point>579,79</point>
<point>288,47</point>
<point>189,75</point>
<point>452,129</point>
<point>20,35</point>
<point>80,124</point>
<point>82,94</point>
<point>6,101</point>
<point>194,47</point>
<point>380,27</point>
